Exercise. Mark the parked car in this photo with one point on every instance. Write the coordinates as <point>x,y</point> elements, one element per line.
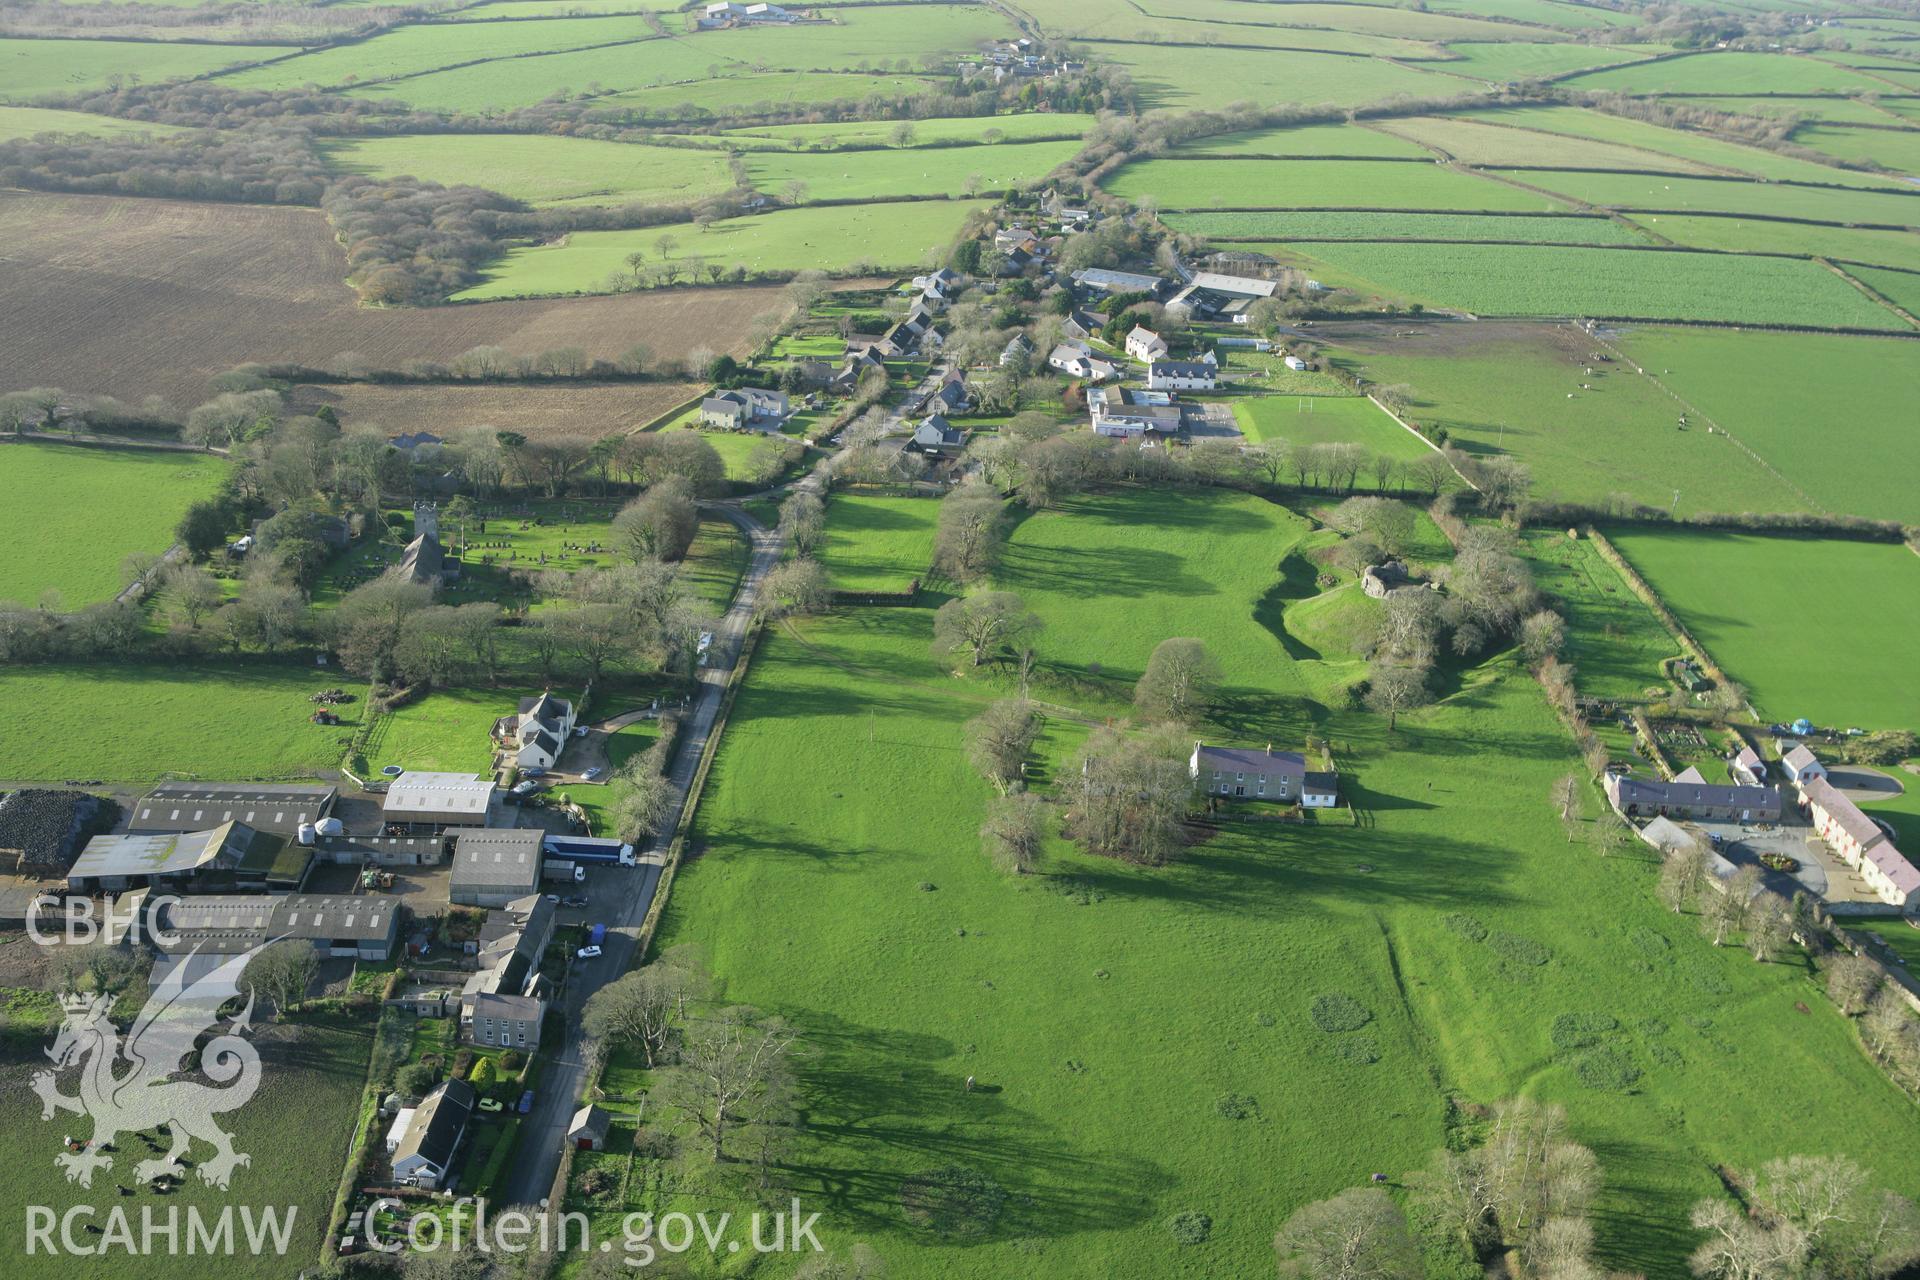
<point>587,953</point>
<point>553,897</point>
<point>524,788</point>
<point>706,641</point>
<point>535,772</point>
<point>526,1102</point>
<point>575,901</point>
<point>580,731</point>
<point>595,774</point>
<point>491,1105</point>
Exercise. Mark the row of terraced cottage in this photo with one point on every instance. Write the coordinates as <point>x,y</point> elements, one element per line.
<point>1861,842</point>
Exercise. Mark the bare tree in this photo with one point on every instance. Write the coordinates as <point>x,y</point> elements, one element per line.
<point>727,1062</point>
<point>1359,1234</point>
<point>802,519</point>
<point>283,972</point>
<point>1566,799</point>
<point>1180,680</point>
<point>1683,874</point>
<point>999,740</point>
<point>983,626</point>
<point>796,587</point>
<point>1852,981</point>
<point>1394,687</point>
<point>1015,831</point>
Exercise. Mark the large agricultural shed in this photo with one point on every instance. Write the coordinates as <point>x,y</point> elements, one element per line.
<point>277,808</point>
<point>437,800</point>
<point>493,868</point>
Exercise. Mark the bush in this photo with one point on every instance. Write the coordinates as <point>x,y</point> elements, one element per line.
<point>954,1201</point>
<point>1190,1227</point>
<point>1336,1011</point>
<point>484,1075</point>
<point>1237,1106</point>
<point>1607,1069</point>
<point>1468,927</point>
<point>1578,1030</point>
<point>512,1060</point>
<point>415,1080</point>
<point>1511,946</point>
<point>1357,1051</point>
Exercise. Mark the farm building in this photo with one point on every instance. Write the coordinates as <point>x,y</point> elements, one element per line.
<point>1232,286</point>
<point>1296,364</point>
<point>382,851</point>
<point>1182,375</point>
<point>588,1132</point>
<point>1802,766</point>
<point>423,1155</point>
<point>279,809</point>
<point>355,928</point>
<point>420,801</point>
<point>175,859</point>
<point>492,868</point>
<point>1128,416</point>
<point>1865,847</point>
<point>537,732</point>
<point>1641,798</point>
<point>1101,280</point>
<point>40,829</point>
<point>1145,345</point>
<point>1261,775</point>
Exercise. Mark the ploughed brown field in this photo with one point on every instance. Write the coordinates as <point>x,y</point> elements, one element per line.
<point>541,412</point>
<point>133,297</point>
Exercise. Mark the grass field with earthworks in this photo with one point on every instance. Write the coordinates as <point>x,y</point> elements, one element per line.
<point>1820,628</point>
<point>51,526</point>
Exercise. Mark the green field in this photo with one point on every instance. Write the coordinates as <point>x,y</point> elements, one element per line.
<point>1326,420</point>
<point>1481,142</point>
<point>1752,235</point>
<point>878,544</point>
<point>33,69</point>
<point>936,171</point>
<point>26,122</point>
<point>410,51</point>
<point>1550,13</point>
<point>1573,281</point>
<point>542,170</point>
<point>1247,228</point>
<point>1679,194</point>
<point>1903,287</point>
<point>1726,73</point>
<point>51,526</point>
<point>756,93</point>
<point>1308,141</point>
<point>202,720</point>
<point>1508,60</point>
<point>824,238</point>
<point>840,781</point>
<point>1519,390</point>
<point>296,1130</point>
<point>1027,127</point>
<point>1891,148</point>
<point>446,730</point>
<point>1313,184</point>
<point>1813,627</point>
<point>1190,79</point>
<point>1841,110</point>
<point>1775,392</point>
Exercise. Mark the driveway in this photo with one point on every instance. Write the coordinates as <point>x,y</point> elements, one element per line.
<point>544,1131</point>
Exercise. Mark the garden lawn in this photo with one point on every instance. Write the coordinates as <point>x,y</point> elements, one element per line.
<point>826,238</point>
<point>1326,420</point>
<point>296,1129</point>
<point>1776,393</point>
<point>1821,628</point>
<point>1525,390</point>
<point>1455,914</point>
<point>935,171</point>
<point>1568,280</point>
<point>214,720</point>
<point>1243,228</point>
<point>1318,184</point>
<point>51,524</point>
<point>877,544</point>
<point>541,169</point>
<point>35,69</point>
<point>444,731</point>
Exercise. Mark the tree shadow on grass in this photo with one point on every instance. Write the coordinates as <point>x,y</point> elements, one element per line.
<point>888,1104</point>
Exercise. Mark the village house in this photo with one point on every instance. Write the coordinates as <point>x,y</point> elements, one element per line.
<point>503,1021</point>
<point>1642,798</point>
<point>424,1139</point>
<point>1081,325</point>
<point>1076,360</point>
<point>1017,350</point>
<point>950,397</point>
<point>1261,775</point>
<point>1748,768</point>
<point>1183,375</point>
<point>1145,345</point>
<point>745,407</point>
<point>537,734</point>
<point>506,996</point>
<point>1801,766</point>
<point>1132,415</point>
<point>938,437</point>
<point>1859,840</point>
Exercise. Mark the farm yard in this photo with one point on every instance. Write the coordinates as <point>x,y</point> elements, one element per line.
<point>51,523</point>
<point>1813,627</point>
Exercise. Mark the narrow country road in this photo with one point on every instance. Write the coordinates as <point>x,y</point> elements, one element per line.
<point>544,1130</point>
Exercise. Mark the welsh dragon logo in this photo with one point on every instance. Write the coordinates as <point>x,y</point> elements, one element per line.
<point>126,1086</point>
